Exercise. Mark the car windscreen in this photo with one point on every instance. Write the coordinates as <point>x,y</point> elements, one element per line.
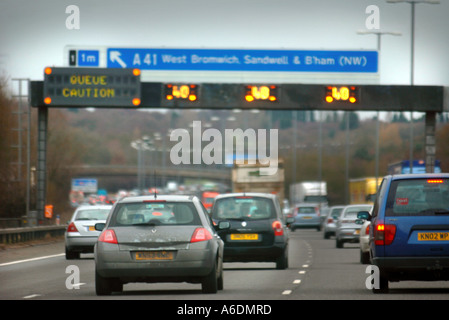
<point>418,197</point>
<point>92,214</point>
<point>243,208</point>
<point>155,214</point>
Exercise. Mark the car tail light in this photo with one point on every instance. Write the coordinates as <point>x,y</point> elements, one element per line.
<point>367,230</point>
<point>384,234</point>
<point>330,220</point>
<point>200,234</point>
<point>108,236</point>
<point>72,227</point>
<point>317,211</point>
<point>277,227</point>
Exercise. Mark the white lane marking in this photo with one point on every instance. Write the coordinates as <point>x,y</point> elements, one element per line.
<point>297,281</point>
<point>302,272</point>
<point>31,296</point>
<point>32,259</point>
<point>286,292</point>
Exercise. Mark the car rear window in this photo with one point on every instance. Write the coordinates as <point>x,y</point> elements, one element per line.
<point>351,212</point>
<point>306,210</point>
<point>336,212</point>
<point>418,197</point>
<point>92,214</point>
<point>243,208</point>
<point>155,213</point>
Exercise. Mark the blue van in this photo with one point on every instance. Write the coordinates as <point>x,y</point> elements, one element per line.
<point>409,238</point>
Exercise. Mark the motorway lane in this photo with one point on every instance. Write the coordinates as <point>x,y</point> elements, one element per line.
<point>46,278</point>
<point>317,270</point>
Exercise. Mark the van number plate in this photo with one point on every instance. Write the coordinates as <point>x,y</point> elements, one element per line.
<point>433,236</point>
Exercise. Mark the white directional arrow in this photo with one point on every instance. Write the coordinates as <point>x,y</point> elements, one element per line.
<point>114,56</point>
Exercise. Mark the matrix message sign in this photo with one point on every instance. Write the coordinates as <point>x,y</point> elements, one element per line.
<point>92,87</point>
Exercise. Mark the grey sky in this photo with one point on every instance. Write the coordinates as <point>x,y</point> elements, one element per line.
<point>33,33</point>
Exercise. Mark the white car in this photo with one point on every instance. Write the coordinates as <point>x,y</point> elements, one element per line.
<point>81,236</point>
<point>347,229</point>
<point>364,242</point>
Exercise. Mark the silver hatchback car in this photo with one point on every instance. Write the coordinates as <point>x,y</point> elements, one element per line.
<point>347,228</point>
<point>163,239</point>
<point>80,235</point>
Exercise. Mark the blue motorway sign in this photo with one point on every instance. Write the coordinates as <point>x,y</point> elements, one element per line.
<point>244,60</point>
<point>88,58</point>
<point>88,185</point>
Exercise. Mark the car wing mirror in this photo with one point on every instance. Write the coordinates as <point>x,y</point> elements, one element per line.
<point>100,226</point>
<point>364,215</point>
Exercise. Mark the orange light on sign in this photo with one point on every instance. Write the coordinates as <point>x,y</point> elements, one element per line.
<point>136,101</point>
<point>342,94</point>
<point>263,93</point>
<point>181,92</point>
<point>136,72</point>
<point>47,100</point>
<point>48,70</point>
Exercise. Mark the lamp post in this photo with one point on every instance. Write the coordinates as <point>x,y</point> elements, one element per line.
<point>412,60</point>
<point>379,35</point>
<point>142,144</point>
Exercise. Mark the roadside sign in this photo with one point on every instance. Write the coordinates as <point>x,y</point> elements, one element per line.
<point>86,185</point>
<point>91,87</point>
<point>49,211</point>
<point>326,61</point>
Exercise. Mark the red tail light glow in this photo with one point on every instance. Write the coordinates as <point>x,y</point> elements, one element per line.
<point>72,228</point>
<point>108,236</point>
<point>367,230</point>
<point>384,234</point>
<point>200,234</point>
<point>277,227</point>
<point>435,181</point>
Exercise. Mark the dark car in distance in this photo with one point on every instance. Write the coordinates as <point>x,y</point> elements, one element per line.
<point>257,229</point>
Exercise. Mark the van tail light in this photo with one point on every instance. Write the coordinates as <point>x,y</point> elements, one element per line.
<point>108,236</point>
<point>200,234</point>
<point>317,211</point>
<point>72,227</point>
<point>384,234</point>
<point>277,228</point>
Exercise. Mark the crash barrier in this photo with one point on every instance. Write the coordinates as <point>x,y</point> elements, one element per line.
<point>15,235</point>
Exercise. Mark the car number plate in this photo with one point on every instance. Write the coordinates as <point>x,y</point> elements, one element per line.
<point>154,255</point>
<point>307,217</point>
<point>91,228</point>
<point>433,236</point>
<point>244,236</point>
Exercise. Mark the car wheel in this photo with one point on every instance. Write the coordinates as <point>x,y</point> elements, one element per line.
<point>364,257</point>
<point>105,286</point>
<point>326,235</point>
<point>71,255</point>
<point>383,285</point>
<point>210,282</point>
<point>282,261</point>
<point>338,243</point>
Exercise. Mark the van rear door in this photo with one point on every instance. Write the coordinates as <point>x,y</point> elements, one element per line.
<point>417,218</point>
